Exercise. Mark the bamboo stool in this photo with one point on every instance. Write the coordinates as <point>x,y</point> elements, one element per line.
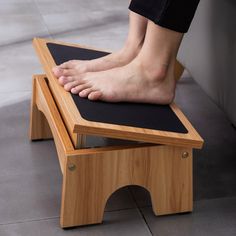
<point>159,161</point>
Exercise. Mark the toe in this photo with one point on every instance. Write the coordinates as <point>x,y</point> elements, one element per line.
<point>68,65</point>
<point>96,95</point>
<point>79,88</point>
<point>68,87</point>
<point>84,93</point>
<point>64,80</point>
<point>57,71</point>
<point>69,72</point>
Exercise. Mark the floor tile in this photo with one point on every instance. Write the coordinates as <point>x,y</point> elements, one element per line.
<point>30,196</point>
<point>105,37</point>
<point>61,16</point>
<point>210,218</point>
<point>19,156</point>
<point>7,98</point>
<point>18,63</point>
<point>30,178</point>
<point>126,222</point>
<point>20,20</point>
<point>18,7</point>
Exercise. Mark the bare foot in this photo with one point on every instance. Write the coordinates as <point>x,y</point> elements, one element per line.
<point>133,82</point>
<point>116,59</point>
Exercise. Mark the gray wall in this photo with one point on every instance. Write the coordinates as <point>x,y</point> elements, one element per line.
<point>209,52</point>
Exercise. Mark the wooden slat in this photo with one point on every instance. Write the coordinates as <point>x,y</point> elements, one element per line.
<point>39,128</point>
<point>47,106</point>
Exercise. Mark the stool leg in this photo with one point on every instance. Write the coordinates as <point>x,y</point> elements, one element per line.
<point>39,128</point>
<point>83,200</point>
<point>171,181</point>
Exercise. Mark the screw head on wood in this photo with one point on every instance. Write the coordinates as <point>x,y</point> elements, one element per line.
<point>185,155</point>
<point>71,167</point>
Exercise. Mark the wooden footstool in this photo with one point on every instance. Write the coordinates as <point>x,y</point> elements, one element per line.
<point>160,160</point>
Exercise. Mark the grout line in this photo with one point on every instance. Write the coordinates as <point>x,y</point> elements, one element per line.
<point>42,18</point>
<point>140,212</point>
<point>111,19</point>
<point>57,217</point>
<point>29,221</point>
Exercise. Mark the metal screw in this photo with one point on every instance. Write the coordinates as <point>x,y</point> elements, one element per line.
<point>71,167</point>
<point>185,155</point>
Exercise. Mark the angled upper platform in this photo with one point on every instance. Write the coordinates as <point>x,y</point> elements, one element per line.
<point>112,120</point>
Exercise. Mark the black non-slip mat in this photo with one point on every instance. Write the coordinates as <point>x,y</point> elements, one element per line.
<point>149,116</point>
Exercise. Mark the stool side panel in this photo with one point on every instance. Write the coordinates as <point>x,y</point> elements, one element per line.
<point>46,105</point>
<point>160,169</point>
<point>38,128</point>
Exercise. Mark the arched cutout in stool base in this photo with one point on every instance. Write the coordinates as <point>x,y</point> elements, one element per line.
<point>128,195</point>
<point>141,196</point>
<point>159,169</point>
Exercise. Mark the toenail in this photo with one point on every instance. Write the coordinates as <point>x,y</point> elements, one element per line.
<point>73,90</point>
<point>61,79</point>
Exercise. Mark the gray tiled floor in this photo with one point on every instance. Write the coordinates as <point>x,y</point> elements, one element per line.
<point>211,217</point>
<point>124,222</point>
<point>20,20</point>
<point>30,178</point>
<point>18,63</point>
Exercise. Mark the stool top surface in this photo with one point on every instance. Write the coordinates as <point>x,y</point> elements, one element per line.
<point>134,121</point>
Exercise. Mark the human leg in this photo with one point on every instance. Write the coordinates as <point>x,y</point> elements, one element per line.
<point>132,46</point>
<point>148,78</point>
<point>176,15</point>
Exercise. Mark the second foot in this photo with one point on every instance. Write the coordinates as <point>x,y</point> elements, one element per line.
<point>130,83</point>
<point>113,60</point>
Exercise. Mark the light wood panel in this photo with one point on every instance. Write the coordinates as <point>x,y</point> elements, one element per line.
<point>77,126</point>
<point>39,128</point>
<point>45,104</point>
<point>94,177</point>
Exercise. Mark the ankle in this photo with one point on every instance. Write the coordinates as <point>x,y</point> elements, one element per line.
<point>154,71</point>
<point>133,46</point>
<point>157,67</point>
